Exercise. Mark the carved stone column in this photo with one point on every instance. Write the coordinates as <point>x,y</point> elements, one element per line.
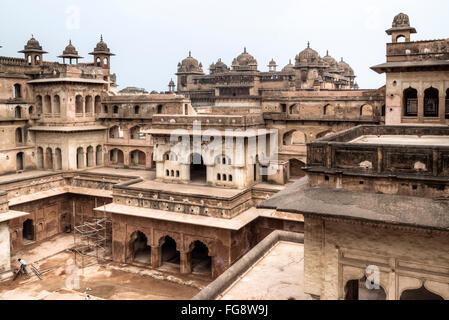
<point>186,262</point>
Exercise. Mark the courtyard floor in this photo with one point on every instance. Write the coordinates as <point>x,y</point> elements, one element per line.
<point>109,281</point>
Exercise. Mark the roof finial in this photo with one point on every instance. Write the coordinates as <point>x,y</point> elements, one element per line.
<point>327,52</point>
<point>101,37</point>
<point>190,54</point>
<point>244,49</point>
<point>289,61</point>
<point>308,44</point>
<point>70,41</point>
<point>341,59</point>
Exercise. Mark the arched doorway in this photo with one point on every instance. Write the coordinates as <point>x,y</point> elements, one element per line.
<point>40,158</point>
<point>170,255</point>
<point>357,290</point>
<point>20,161</point>
<point>141,251</point>
<point>28,231</point>
<point>80,158</point>
<point>137,158</point>
<point>198,171</point>
<point>420,294</point>
<point>99,156</point>
<point>58,155</point>
<point>49,159</point>
<point>116,157</point>
<point>90,156</point>
<point>201,262</point>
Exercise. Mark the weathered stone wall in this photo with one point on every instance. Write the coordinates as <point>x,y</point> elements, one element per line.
<point>337,251</point>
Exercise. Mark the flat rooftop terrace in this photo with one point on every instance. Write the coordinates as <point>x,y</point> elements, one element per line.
<point>412,140</point>
<point>278,275</point>
<point>7,178</point>
<point>188,189</point>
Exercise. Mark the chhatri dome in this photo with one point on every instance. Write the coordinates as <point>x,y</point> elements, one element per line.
<point>190,64</point>
<point>244,62</point>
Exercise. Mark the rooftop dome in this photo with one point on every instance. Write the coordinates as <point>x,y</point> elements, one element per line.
<point>401,21</point>
<point>171,83</point>
<point>189,65</point>
<point>102,48</point>
<point>308,56</point>
<point>218,67</point>
<point>288,67</point>
<point>272,63</point>
<point>329,59</point>
<point>345,68</point>
<point>70,51</point>
<point>32,46</point>
<point>244,62</point>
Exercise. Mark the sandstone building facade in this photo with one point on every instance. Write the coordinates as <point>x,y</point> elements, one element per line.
<point>75,149</point>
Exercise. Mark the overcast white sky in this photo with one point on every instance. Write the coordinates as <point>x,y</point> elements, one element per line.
<point>151,37</point>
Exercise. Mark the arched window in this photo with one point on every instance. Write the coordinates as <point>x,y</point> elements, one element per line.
<point>79,105</point>
<point>400,38</point>
<point>230,178</point>
<point>177,173</point>
<point>167,173</point>
<point>49,159</point>
<point>40,158</point>
<point>225,177</point>
<point>431,102</point>
<point>105,109</point>
<point>410,97</point>
<point>99,155</point>
<point>219,177</point>
<point>159,109</point>
<point>80,158</point>
<point>58,155</point>
<point>18,112</point>
<point>135,133</point>
<point>90,157</point>
<point>31,110</point>
<point>47,105</point>
<point>17,91</point>
<point>420,294</point>
<point>136,109</point>
<point>115,110</point>
<point>366,110</point>
<point>98,104</point>
<point>20,158</point>
<point>57,105</point>
<point>98,61</point>
<point>88,105</point>
<point>19,136</point>
<point>115,132</point>
<point>37,60</point>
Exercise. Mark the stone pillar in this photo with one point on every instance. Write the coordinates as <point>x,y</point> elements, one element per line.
<point>126,158</point>
<point>442,107</point>
<point>148,160</point>
<point>156,257</point>
<point>420,107</point>
<point>53,155</point>
<point>186,262</point>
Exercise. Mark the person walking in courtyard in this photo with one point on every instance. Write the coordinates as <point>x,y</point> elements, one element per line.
<point>23,266</point>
